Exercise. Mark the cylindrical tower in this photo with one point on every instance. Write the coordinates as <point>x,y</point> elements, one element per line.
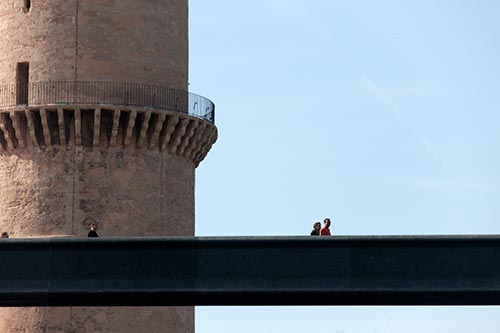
<point>96,126</point>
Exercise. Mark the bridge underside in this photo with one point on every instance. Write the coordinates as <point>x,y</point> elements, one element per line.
<point>363,270</point>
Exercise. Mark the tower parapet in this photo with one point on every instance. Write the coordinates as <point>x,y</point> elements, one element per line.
<point>99,115</point>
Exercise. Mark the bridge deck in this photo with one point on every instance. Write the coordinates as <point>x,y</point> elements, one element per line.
<point>361,270</point>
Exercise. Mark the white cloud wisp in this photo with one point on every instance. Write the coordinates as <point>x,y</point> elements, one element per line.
<point>389,102</point>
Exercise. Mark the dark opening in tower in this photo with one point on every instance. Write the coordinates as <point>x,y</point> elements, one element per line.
<point>22,82</point>
<point>26,6</point>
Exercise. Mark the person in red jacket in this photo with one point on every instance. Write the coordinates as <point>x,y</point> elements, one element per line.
<point>325,231</point>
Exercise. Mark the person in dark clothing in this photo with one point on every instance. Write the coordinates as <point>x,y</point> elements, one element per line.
<point>316,228</point>
<point>5,235</point>
<point>92,232</point>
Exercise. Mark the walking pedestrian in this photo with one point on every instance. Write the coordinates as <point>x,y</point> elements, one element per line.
<point>316,229</point>
<point>325,231</point>
<point>93,232</point>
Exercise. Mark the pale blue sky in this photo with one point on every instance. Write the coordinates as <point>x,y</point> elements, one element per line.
<point>383,115</point>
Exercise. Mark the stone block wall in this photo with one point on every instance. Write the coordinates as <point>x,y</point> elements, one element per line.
<point>86,40</point>
<point>128,169</point>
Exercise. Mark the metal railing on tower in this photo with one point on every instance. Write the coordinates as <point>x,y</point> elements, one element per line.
<point>112,93</point>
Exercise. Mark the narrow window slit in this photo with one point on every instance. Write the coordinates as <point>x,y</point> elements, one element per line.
<point>26,6</point>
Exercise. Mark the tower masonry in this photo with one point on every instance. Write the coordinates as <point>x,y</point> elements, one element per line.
<point>97,126</point>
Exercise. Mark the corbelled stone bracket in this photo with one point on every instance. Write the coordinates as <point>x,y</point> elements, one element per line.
<point>104,126</point>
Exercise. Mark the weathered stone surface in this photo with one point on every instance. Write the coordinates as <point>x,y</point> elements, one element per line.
<point>61,191</point>
<point>64,167</point>
<point>98,319</point>
<point>119,41</point>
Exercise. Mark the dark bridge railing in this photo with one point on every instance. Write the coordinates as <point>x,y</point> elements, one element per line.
<point>113,93</point>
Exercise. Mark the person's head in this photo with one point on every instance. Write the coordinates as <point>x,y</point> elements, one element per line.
<point>93,226</point>
<point>5,235</point>
<point>327,222</point>
<point>317,225</point>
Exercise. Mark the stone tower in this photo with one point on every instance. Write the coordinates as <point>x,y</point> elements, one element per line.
<point>96,126</point>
